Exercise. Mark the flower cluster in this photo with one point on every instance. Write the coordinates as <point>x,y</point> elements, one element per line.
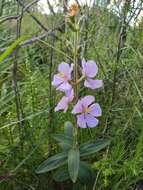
<point>85,109</point>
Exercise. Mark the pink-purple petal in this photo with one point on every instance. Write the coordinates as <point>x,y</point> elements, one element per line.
<point>93,84</point>
<point>65,86</point>
<point>83,63</point>
<point>96,110</point>
<point>62,105</point>
<point>91,121</point>
<point>78,108</point>
<point>87,100</point>
<point>66,69</point>
<point>57,80</point>
<point>90,68</point>
<point>81,121</point>
<point>70,94</point>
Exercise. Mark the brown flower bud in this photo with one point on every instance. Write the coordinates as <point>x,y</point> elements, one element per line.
<point>73,10</point>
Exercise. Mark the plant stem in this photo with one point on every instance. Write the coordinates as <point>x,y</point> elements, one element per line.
<point>76,65</point>
<point>76,80</point>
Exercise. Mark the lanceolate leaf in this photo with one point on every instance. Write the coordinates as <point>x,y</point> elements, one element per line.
<point>63,139</point>
<point>73,164</point>
<point>12,47</point>
<point>91,148</point>
<point>68,129</point>
<point>61,175</point>
<point>85,173</point>
<point>65,147</point>
<point>52,163</point>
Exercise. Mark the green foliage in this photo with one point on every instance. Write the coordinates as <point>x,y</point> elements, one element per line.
<point>12,47</point>
<point>86,175</point>
<point>91,148</point>
<point>70,156</point>
<point>61,175</point>
<point>52,163</point>
<point>119,163</point>
<point>73,163</point>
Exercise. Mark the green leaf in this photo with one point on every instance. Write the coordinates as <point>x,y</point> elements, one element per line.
<point>12,47</point>
<point>61,175</point>
<point>63,139</point>
<point>66,139</point>
<point>65,147</point>
<point>85,173</point>
<point>73,164</point>
<point>91,148</point>
<point>52,163</point>
<point>68,129</point>
<point>4,67</point>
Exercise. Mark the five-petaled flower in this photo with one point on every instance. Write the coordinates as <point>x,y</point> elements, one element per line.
<point>86,112</point>
<point>89,71</point>
<point>61,80</point>
<point>64,102</point>
<point>85,109</point>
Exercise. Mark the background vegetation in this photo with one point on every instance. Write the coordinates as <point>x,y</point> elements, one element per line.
<point>27,99</point>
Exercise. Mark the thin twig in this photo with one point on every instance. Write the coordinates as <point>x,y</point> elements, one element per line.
<point>14,72</point>
<point>30,117</point>
<point>7,18</point>
<point>50,7</point>
<point>51,113</point>
<point>32,40</point>
<point>30,4</point>
<point>134,14</point>
<point>33,17</point>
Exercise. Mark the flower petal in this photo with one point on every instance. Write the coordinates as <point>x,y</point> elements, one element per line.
<point>77,108</point>
<point>70,94</point>
<point>57,80</point>
<point>87,100</point>
<point>93,84</point>
<point>65,86</point>
<point>62,105</point>
<point>66,69</point>
<point>90,68</point>
<point>91,121</point>
<point>96,110</point>
<point>83,63</point>
<point>81,121</point>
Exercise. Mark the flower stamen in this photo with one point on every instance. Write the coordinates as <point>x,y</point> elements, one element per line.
<point>62,75</point>
<point>87,110</point>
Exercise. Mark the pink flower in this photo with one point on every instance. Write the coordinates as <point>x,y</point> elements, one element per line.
<point>61,80</point>
<point>90,70</point>
<point>87,112</point>
<point>64,102</point>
